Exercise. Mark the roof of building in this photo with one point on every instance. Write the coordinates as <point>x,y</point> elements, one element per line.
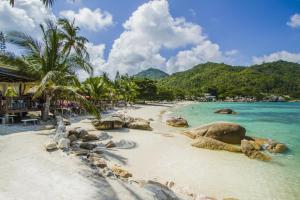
<point>10,75</point>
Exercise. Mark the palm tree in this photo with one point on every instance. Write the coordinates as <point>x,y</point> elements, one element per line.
<point>49,63</point>
<point>126,87</point>
<point>47,3</point>
<point>98,89</point>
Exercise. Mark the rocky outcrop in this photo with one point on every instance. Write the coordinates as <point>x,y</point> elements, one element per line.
<point>119,172</point>
<point>267,144</point>
<point>209,143</point>
<point>223,131</point>
<point>226,111</point>
<point>140,123</point>
<point>80,133</point>
<point>177,122</point>
<point>108,123</point>
<point>250,150</point>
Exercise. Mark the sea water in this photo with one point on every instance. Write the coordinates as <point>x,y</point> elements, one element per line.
<point>277,121</point>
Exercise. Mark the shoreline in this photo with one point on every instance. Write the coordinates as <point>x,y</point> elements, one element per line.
<point>162,155</point>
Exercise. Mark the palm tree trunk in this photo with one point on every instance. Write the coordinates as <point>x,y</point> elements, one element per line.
<point>46,108</point>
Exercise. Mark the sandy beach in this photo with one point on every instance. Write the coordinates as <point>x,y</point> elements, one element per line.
<point>27,171</point>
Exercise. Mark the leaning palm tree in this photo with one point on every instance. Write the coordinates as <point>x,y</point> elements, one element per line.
<point>47,3</point>
<point>49,63</point>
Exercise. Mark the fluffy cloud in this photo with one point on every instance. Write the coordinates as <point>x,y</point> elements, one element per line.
<point>281,55</point>
<point>294,21</point>
<point>26,16</point>
<point>150,29</point>
<point>206,51</point>
<point>94,20</point>
<point>97,60</point>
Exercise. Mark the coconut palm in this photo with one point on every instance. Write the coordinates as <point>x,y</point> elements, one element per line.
<point>47,3</point>
<point>48,62</point>
<point>126,88</point>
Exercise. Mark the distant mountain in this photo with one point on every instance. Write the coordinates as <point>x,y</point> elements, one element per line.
<point>152,73</point>
<point>281,78</point>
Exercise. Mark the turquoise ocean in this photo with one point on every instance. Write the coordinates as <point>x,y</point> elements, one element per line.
<point>277,121</point>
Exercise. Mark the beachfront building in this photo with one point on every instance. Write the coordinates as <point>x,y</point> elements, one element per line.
<point>15,96</point>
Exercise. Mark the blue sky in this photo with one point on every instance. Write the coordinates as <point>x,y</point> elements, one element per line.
<point>240,32</point>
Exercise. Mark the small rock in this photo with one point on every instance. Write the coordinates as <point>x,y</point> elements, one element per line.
<point>64,143</point>
<point>121,172</point>
<point>88,146</point>
<point>177,122</point>
<point>98,162</point>
<point>249,150</point>
<point>66,122</point>
<point>72,138</point>
<point>51,145</point>
<point>104,136</point>
<point>89,137</point>
<point>110,144</point>
<point>140,124</point>
<point>276,147</point>
<point>81,152</point>
<point>81,133</point>
<point>226,111</point>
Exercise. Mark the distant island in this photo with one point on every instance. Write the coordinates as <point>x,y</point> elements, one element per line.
<point>275,81</point>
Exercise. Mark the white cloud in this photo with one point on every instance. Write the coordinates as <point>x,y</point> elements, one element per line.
<point>25,16</point>
<point>150,29</point>
<point>204,52</point>
<point>281,55</point>
<point>96,53</point>
<point>94,20</point>
<point>232,52</point>
<point>294,21</point>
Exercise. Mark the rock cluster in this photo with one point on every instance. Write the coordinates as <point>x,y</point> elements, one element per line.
<point>232,137</point>
<point>226,111</point>
<point>119,120</point>
<point>177,122</point>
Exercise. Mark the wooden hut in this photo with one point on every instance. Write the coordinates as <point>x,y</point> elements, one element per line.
<point>20,102</point>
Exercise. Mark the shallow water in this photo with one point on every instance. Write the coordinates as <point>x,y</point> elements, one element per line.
<point>278,121</point>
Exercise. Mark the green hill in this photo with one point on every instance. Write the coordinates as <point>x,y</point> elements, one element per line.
<point>152,73</point>
<point>279,78</point>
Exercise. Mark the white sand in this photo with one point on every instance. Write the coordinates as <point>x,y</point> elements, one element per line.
<point>30,173</point>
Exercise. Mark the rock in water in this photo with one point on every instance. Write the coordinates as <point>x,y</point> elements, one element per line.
<point>209,143</point>
<point>51,145</point>
<point>89,137</point>
<point>249,150</point>
<point>64,143</point>
<point>223,131</point>
<point>118,171</point>
<point>276,147</point>
<point>177,122</point>
<point>140,124</point>
<point>226,111</point>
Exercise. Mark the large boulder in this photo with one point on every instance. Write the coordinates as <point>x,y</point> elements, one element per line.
<point>80,133</point>
<point>249,150</point>
<point>108,123</point>
<point>177,122</point>
<point>225,111</point>
<point>209,143</point>
<point>223,131</point>
<point>141,124</point>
